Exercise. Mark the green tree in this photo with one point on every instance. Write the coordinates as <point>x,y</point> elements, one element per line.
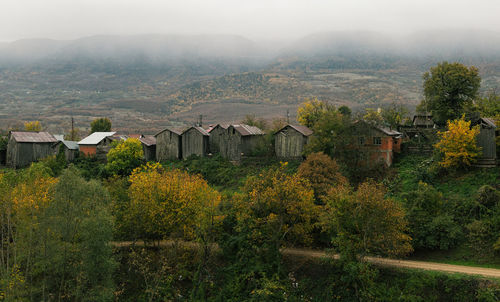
<point>489,106</point>
<point>449,90</point>
<point>102,124</point>
<point>394,115</point>
<point>345,110</point>
<point>431,225</point>
<point>366,222</point>
<point>124,157</point>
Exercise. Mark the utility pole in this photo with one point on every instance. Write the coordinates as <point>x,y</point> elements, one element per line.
<point>288,116</point>
<point>72,129</point>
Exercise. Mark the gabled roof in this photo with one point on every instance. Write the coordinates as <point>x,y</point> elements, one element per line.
<point>199,129</point>
<point>95,138</point>
<point>488,121</point>
<point>246,130</point>
<point>389,131</point>
<point>33,137</point>
<point>148,140</point>
<point>212,127</point>
<point>301,129</point>
<point>71,145</point>
<point>176,131</point>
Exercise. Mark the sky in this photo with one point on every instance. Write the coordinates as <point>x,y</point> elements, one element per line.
<point>254,19</point>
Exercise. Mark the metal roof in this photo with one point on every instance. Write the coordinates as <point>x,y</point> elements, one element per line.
<point>490,122</point>
<point>33,137</point>
<point>95,138</point>
<point>301,129</point>
<point>246,130</point>
<point>212,127</point>
<point>389,131</point>
<point>199,129</point>
<point>176,131</point>
<point>148,140</point>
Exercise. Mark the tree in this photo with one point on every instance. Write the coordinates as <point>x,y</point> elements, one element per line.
<point>100,125</point>
<point>449,90</point>
<point>458,144</point>
<point>33,126</point>
<point>489,106</point>
<point>373,117</point>
<point>432,226</point>
<point>366,222</point>
<point>345,110</point>
<point>169,203</point>
<point>124,157</point>
<point>323,173</point>
<point>311,111</point>
<point>394,115</point>
<point>252,120</point>
<point>329,133</point>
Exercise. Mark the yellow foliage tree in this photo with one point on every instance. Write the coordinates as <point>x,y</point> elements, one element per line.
<point>311,111</point>
<point>33,126</point>
<point>277,208</point>
<point>458,144</point>
<point>323,173</point>
<point>125,157</point>
<point>170,203</point>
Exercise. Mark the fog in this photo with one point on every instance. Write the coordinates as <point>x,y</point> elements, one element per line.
<point>258,20</point>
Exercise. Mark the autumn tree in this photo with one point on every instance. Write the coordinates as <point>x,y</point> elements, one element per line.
<point>394,115</point>
<point>252,120</point>
<point>33,126</point>
<point>458,144</point>
<point>449,90</point>
<point>102,124</point>
<point>312,110</point>
<point>169,203</point>
<point>373,116</point>
<point>323,174</point>
<point>365,222</point>
<point>124,157</point>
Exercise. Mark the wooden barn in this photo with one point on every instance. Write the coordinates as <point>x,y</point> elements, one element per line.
<point>195,141</point>
<point>239,140</point>
<point>26,147</point>
<point>486,140</point>
<point>148,147</point>
<point>423,120</point>
<point>217,133</point>
<point>376,144</point>
<point>168,145</point>
<point>97,144</point>
<point>71,149</point>
<point>289,141</point>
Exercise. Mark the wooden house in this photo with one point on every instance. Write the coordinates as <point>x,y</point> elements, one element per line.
<point>168,145</point>
<point>423,120</point>
<point>148,147</point>
<point>97,144</point>
<point>70,148</point>
<point>195,141</point>
<point>289,141</point>
<point>217,133</point>
<point>486,140</point>
<point>238,140</point>
<point>376,144</point>
<point>26,147</point>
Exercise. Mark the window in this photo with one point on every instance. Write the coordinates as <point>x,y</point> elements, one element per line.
<point>361,140</point>
<point>377,141</point>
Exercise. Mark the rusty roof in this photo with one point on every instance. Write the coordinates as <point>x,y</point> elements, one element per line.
<point>33,137</point>
<point>246,130</point>
<point>148,140</point>
<point>301,129</point>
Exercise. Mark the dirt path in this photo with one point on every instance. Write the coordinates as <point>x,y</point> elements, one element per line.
<point>423,265</point>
